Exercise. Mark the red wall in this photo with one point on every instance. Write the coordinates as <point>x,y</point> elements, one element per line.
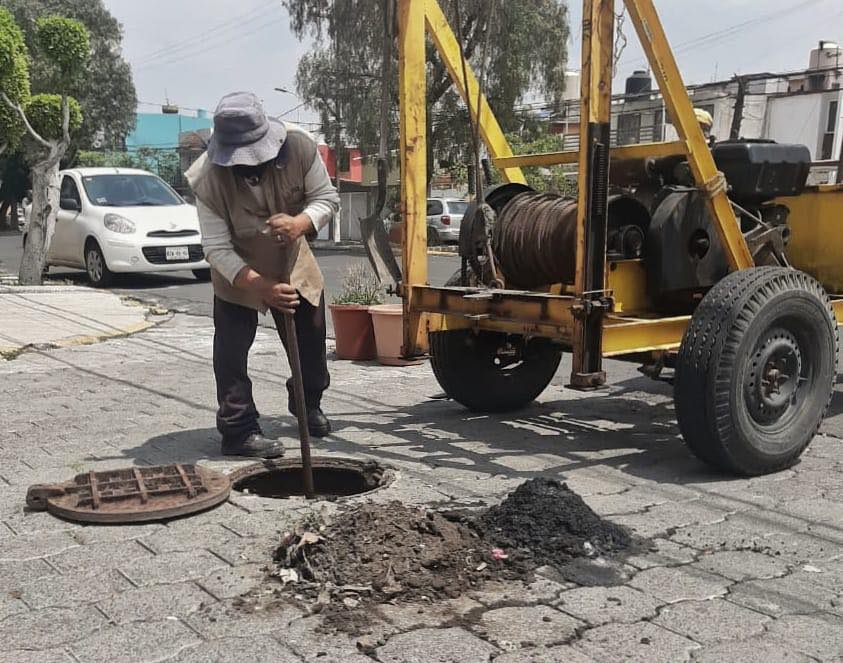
<point>355,172</point>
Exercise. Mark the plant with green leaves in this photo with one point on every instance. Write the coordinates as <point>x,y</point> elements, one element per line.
<point>42,123</point>
<point>359,286</point>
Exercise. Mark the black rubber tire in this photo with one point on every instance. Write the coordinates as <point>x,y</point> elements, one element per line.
<point>464,365</point>
<point>733,338</point>
<point>99,274</point>
<point>203,275</point>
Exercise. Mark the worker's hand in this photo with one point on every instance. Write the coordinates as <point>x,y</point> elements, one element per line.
<point>284,228</point>
<point>281,296</point>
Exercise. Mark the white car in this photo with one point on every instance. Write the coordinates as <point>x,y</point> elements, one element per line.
<point>124,220</point>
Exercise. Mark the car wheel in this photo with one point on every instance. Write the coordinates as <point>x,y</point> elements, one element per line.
<point>433,237</point>
<point>98,272</point>
<point>203,275</point>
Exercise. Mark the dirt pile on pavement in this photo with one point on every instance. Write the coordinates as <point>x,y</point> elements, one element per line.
<point>392,552</point>
<point>384,552</point>
<point>543,522</point>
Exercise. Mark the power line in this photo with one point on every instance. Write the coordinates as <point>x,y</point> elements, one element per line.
<point>725,34</point>
<point>207,47</point>
<point>200,37</point>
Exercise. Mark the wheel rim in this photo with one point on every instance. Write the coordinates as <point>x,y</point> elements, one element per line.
<point>774,384</point>
<point>94,265</point>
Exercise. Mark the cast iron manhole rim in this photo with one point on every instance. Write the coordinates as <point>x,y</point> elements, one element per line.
<point>287,465</point>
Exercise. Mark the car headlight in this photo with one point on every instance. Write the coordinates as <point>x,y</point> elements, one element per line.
<point>118,224</point>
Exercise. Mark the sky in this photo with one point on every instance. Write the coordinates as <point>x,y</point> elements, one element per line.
<point>191,52</point>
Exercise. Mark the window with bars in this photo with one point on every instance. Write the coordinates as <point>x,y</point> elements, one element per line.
<point>827,150</point>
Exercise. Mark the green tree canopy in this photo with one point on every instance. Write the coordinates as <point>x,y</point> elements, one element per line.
<point>526,53</point>
<point>14,80</point>
<point>104,87</point>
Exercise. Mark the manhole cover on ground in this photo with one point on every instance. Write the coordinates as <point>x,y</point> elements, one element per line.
<point>332,477</point>
<point>133,494</point>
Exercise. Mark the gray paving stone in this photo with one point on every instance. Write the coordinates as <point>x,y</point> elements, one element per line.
<point>496,594</point>
<point>820,635</point>
<point>514,628</point>
<point>254,649</point>
<point>34,546</point>
<point>171,567</point>
<point>662,518</point>
<point>710,622</point>
<point>802,547</point>
<point>304,637</point>
<point>683,583</point>
<point>220,620</point>
<point>633,643</point>
<point>30,656</point>
<point>229,582</point>
<point>731,534</point>
<point>98,556</point>
<point>239,550</point>
<point>46,629</point>
<point>261,523</point>
<point>662,552</point>
<point>451,645</point>
<point>636,499</point>
<point>155,603</point>
<point>601,605</point>
<point>742,565</point>
<point>409,616</point>
<point>14,575</point>
<point>10,604</point>
<point>67,591</point>
<point>135,643</point>
<point>814,509</point>
<point>98,534</point>
<point>783,596</point>
<point>753,650</point>
<point>183,539</point>
<point>563,654</point>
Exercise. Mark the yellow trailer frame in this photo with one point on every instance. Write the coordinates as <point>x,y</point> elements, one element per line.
<point>603,315</point>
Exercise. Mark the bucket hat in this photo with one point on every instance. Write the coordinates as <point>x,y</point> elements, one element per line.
<point>243,134</point>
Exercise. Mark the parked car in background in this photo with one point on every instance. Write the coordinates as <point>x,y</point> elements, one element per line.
<point>123,220</point>
<point>444,216</point>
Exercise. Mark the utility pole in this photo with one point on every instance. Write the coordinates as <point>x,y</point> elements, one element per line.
<point>740,99</point>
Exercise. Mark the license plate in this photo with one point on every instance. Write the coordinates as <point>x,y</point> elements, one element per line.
<point>177,253</point>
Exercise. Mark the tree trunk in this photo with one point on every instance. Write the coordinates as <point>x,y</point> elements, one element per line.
<point>42,220</point>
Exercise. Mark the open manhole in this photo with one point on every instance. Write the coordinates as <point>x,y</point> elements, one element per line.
<point>332,477</point>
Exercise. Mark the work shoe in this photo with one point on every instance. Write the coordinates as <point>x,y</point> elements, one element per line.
<point>317,423</point>
<point>254,446</point>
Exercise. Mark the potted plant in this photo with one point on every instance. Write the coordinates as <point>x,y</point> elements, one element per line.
<point>353,329</point>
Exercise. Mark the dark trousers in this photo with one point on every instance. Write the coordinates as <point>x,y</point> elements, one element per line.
<point>234,333</point>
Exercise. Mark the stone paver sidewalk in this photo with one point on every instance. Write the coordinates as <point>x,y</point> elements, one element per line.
<point>57,316</point>
<point>739,570</point>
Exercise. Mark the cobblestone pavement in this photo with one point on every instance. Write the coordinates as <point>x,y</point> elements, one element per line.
<point>740,569</point>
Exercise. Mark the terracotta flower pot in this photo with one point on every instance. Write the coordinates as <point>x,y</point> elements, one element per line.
<point>389,333</point>
<point>353,331</point>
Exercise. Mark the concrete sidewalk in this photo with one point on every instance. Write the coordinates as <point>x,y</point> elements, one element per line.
<point>58,316</point>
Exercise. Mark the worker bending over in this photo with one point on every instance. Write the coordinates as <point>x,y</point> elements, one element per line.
<point>261,189</point>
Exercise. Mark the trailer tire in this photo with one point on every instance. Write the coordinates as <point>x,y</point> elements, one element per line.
<point>756,370</point>
<point>472,371</point>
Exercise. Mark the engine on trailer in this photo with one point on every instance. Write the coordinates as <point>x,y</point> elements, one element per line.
<point>525,239</point>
